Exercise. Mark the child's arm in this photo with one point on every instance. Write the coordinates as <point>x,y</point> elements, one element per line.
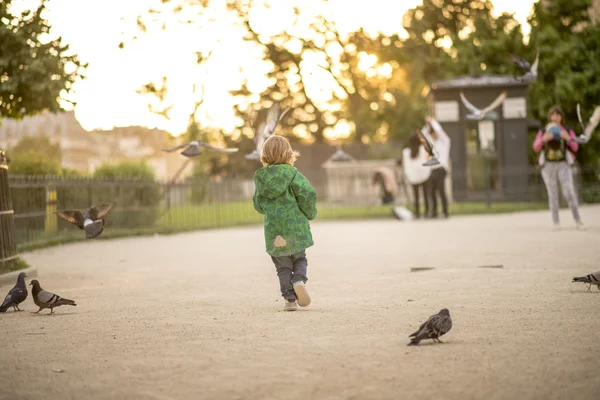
<point>256,203</point>
<point>256,200</point>
<point>306,196</point>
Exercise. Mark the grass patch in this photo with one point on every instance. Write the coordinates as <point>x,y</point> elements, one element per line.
<point>13,265</point>
<point>214,216</point>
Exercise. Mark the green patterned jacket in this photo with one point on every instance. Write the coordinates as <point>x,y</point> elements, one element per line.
<point>288,202</point>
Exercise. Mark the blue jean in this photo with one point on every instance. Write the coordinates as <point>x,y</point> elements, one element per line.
<point>290,269</point>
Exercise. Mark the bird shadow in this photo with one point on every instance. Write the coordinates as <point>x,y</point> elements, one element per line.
<point>419,269</point>
<point>432,343</point>
<point>51,315</point>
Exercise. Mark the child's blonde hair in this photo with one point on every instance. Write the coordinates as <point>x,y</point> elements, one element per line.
<point>278,150</point>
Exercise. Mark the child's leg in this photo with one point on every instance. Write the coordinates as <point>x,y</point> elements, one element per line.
<point>299,278</point>
<point>285,266</point>
<point>300,266</point>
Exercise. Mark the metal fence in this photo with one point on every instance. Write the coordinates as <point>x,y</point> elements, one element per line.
<point>343,192</point>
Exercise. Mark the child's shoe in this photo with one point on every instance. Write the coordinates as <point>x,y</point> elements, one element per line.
<point>290,306</point>
<point>302,294</point>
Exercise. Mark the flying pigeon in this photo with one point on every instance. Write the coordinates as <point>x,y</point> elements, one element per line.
<point>591,279</point>
<point>92,221</point>
<point>429,149</point>
<point>531,71</point>
<point>437,325</point>
<point>44,299</point>
<point>589,128</point>
<point>16,295</point>
<point>274,116</point>
<point>476,113</point>
<point>192,149</point>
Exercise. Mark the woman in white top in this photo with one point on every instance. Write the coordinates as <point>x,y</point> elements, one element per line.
<point>417,175</point>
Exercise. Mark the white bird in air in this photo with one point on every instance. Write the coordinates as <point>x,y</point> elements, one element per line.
<point>192,149</point>
<point>274,116</point>
<point>591,125</point>
<point>479,114</point>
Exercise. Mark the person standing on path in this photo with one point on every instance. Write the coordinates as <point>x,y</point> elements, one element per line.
<point>417,175</point>
<point>441,146</point>
<point>556,146</point>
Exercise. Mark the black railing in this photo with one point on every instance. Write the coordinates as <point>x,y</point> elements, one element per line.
<point>344,191</point>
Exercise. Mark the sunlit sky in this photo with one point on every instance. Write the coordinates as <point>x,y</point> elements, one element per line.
<point>108,98</point>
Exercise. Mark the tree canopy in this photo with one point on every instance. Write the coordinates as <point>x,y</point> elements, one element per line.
<point>377,83</point>
<point>35,73</point>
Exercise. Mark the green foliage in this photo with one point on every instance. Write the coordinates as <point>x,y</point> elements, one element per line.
<point>13,265</point>
<point>138,204</point>
<point>32,71</point>
<point>35,156</point>
<point>569,70</point>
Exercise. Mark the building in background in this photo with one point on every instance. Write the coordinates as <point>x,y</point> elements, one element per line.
<point>85,151</point>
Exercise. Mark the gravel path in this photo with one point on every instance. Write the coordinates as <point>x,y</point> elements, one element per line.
<point>198,315</point>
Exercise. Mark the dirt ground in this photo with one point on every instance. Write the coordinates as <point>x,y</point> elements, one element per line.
<point>199,316</point>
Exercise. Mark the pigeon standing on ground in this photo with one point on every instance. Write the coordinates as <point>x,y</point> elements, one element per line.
<point>589,128</point>
<point>437,325</point>
<point>531,71</point>
<point>476,113</point>
<point>274,116</point>
<point>44,299</point>
<point>192,149</point>
<point>16,295</point>
<point>591,279</point>
<point>92,221</point>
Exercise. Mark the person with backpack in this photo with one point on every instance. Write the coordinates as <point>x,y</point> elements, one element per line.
<point>556,146</point>
<point>413,158</point>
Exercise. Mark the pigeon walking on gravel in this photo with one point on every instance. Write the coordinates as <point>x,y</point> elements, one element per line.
<point>16,295</point>
<point>274,116</point>
<point>45,299</point>
<point>91,221</point>
<point>437,325</point>
<point>192,149</point>
<point>591,279</point>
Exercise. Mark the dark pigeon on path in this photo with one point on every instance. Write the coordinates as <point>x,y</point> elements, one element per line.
<point>16,295</point>
<point>437,325</point>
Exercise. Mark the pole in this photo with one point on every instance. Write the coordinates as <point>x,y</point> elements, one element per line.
<point>8,245</point>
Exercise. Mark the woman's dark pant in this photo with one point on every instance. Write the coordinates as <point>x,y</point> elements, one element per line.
<point>438,186</point>
<point>422,187</point>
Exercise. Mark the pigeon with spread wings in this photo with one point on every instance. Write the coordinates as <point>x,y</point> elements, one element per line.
<point>192,149</point>
<point>274,116</point>
<point>591,125</point>
<point>91,221</point>
<point>429,149</point>
<point>531,71</point>
<point>476,113</point>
